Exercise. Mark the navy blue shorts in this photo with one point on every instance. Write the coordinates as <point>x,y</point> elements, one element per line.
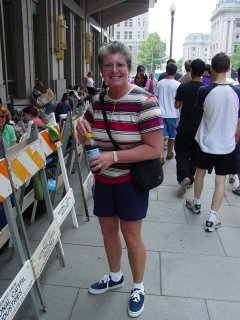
<point>120,200</point>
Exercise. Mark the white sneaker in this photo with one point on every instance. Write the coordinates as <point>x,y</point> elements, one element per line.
<point>211,226</point>
<point>196,208</point>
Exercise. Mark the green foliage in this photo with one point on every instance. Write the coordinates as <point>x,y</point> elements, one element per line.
<point>152,52</point>
<point>236,59</point>
<point>179,65</point>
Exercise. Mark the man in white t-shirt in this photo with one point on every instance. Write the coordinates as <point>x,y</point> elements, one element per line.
<point>166,92</point>
<point>217,135</point>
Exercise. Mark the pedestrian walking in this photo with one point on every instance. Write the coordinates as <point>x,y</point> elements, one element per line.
<point>166,92</point>
<point>185,143</point>
<point>187,76</point>
<point>207,77</point>
<point>164,75</point>
<point>216,136</point>
<point>135,122</point>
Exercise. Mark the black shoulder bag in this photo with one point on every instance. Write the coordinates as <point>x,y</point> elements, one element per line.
<point>145,175</point>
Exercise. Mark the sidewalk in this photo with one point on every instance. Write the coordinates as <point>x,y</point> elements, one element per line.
<point>190,274</point>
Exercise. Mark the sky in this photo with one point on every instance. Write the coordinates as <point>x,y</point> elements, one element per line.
<point>190,16</point>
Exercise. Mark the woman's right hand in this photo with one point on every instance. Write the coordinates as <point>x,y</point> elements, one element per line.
<point>83,127</point>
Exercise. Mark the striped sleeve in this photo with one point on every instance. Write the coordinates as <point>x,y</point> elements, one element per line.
<point>150,117</point>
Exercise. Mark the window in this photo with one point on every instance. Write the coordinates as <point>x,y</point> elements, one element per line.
<point>125,23</point>
<point>139,22</point>
<point>130,48</point>
<point>205,49</point>
<point>193,48</point>
<point>118,25</point>
<point>118,35</point>
<point>127,35</point>
<point>130,22</point>
<point>143,34</point>
<point>138,35</point>
<point>237,23</point>
<point>237,36</point>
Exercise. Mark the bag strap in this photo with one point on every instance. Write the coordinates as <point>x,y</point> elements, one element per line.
<point>101,98</point>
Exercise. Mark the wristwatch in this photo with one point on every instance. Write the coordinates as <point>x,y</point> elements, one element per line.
<point>115,157</point>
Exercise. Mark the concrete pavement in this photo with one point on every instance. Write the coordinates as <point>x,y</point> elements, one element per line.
<point>190,274</point>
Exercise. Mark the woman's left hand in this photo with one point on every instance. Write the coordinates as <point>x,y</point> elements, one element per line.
<point>102,161</point>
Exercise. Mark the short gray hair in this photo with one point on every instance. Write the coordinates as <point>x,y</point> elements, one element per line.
<point>112,48</point>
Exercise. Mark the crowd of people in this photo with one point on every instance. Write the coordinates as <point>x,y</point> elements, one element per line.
<point>195,116</point>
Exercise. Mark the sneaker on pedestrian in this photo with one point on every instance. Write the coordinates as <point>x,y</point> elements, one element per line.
<point>183,186</point>
<point>196,208</point>
<point>170,156</point>
<point>236,191</point>
<point>231,179</point>
<point>136,303</point>
<point>105,284</point>
<point>211,226</point>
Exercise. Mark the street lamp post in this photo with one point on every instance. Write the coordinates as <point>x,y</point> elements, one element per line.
<point>172,11</point>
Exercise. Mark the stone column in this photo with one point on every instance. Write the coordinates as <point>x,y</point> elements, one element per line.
<point>2,86</point>
<point>23,45</point>
<point>230,36</point>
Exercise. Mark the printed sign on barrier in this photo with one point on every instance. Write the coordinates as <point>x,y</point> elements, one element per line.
<point>45,248</point>
<point>64,207</point>
<point>14,296</point>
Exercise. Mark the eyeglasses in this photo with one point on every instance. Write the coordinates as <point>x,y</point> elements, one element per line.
<point>2,116</point>
<point>118,66</point>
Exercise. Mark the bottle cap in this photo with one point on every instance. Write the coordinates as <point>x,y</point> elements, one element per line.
<point>88,135</point>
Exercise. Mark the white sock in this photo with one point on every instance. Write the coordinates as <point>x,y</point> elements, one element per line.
<point>212,216</point>
<point>138,286</point>
<point>116,276</point>
<point>196,201</point>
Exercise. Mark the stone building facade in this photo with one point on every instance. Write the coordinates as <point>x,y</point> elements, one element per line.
<point>133,32</point>
<point>197,45</point>
<point>225,32</point>
<point>56,41</point>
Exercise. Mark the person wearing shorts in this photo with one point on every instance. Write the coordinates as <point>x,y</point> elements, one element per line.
<point>185,144</point>
<point>136,124</point>
<point>113,199</point>
<point>217,134</point>
<point>169,130</point>
<point>166,92</point>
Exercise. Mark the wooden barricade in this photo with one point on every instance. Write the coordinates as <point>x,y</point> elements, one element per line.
<point>17,165</point>
<point>75,153</point>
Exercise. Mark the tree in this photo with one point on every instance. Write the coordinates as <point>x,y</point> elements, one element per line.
<point>179,65</point>
<point>152,52</point>
<point>236,59</point>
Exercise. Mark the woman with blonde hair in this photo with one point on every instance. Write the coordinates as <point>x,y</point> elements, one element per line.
<point>6,130</point>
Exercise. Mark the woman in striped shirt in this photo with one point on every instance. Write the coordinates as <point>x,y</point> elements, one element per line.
<point>136,125</point>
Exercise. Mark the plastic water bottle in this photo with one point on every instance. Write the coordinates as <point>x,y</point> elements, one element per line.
<point>92,149</point>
